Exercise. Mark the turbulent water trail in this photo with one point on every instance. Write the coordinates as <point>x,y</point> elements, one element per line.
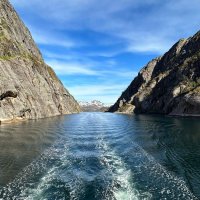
<point>120,186</point>
<point>96,157</point>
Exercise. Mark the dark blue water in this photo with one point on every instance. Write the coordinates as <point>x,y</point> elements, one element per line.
<point>101,156</point>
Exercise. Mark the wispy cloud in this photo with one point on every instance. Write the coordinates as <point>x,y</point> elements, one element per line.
<point>49,40</point>
<point>49,37</point>
<point>83,68</point>
<point>67,68</point>
<point>145,26</point>
<point>107,93</point>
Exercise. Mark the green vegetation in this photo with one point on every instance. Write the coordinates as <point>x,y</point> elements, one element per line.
<point>33,58</point>
<point>4,24</point>
<point>10,49</point>
<point>52,73</point>
<point>2,36</point>
<point>193,84</point>
<point>6,57</point>
<point>26,56</point>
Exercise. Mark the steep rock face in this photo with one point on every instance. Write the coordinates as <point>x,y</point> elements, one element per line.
<point>29,88</point>
<point>167,85</point>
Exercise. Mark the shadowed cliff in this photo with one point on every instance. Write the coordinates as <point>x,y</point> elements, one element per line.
<point>167,85</point>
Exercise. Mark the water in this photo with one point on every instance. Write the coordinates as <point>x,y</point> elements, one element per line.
<point>101,156</point>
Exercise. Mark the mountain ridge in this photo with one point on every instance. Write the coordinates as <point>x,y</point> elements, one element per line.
<point>93,106</point>
<point>169,84</point>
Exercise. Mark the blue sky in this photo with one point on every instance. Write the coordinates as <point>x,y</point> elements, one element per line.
<point>97,47</point>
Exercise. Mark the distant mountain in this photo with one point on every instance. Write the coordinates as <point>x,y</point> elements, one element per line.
<point>169,84</point>
<point>93,106</point>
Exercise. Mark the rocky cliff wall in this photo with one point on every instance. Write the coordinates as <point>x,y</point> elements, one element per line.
<point>29,89</point>
<point>167,85</point>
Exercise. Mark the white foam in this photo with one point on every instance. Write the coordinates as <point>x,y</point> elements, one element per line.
<point>122,186</point>
<point>74,185</point>
<point>172,186</point>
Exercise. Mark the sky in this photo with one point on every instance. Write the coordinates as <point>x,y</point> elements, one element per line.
<point>97,47</point>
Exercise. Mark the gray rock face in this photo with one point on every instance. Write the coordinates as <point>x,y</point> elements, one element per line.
<point>29,89</point>
<point>167,85</point>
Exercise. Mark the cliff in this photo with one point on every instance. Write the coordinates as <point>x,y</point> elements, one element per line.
<point>29,89</point>
<point>167,85</point>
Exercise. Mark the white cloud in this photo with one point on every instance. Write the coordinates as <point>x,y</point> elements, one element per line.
<point>48,36</point>
<point>150,44</point>
<point>73,68</point>
<point>164,21</point>
<point>50,40</point>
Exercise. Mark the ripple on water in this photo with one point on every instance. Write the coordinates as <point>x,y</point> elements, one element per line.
<point>86,162</point>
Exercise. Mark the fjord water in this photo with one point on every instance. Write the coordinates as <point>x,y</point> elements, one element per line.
<point>91,156</point>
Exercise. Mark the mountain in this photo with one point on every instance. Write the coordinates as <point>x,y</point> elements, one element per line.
<point>93,106</point>
<point>29,88</point>
<point>169,84</point>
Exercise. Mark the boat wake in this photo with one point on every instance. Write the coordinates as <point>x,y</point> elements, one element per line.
<point>87,165</point>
